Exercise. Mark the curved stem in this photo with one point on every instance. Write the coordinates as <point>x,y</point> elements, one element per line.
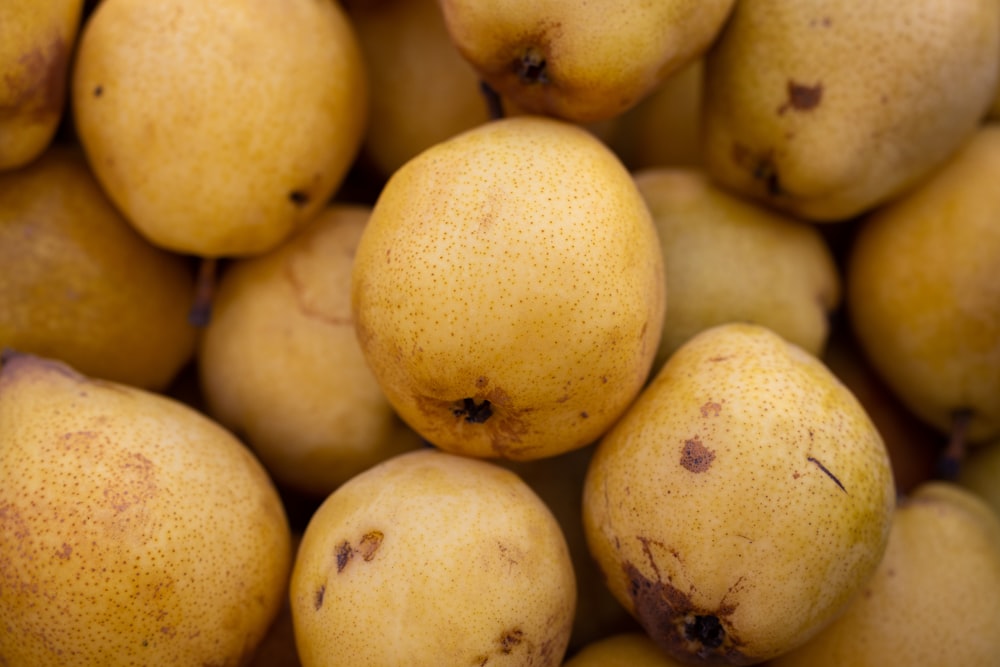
<point>201,309</point>
<point>494,103</point>
<point>954,453</point>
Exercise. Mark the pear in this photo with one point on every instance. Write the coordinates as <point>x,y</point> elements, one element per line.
<point>581,61</point>
<point>133,529</point>
<point>728,259</point>
<point>432,559</point>
<point>279,362</point>
<point>625,649</point>
<point>741,502</point>
<point>38,40</point>
<point>823,110</point>
<point>218,128</point>
<point>79,284</point>
<point>935,598</point>
<point>923,292</point>
<point>508,290</point>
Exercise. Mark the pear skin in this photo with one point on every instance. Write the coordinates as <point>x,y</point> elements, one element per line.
<point>38,41</point>
<point>133,529</point>
<point>741,501</point>
<point>624,649</point>
<point>219,128</point>
<point>935,598</point>
<point>581,62</point>
<point>508,290</point>
<point>923,292</point>
<point>81,285</point>
<point>823,111</point>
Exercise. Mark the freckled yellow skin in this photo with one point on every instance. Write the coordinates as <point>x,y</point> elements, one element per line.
<point>517,264</point>
<point>432,559</point>
<point>861,127</point>
<point>279,362</point>
<point>79,284</point>
<point>134,531</point>
<point>631,649</point>
<point>709,498</point>
<point>935,598</point>
<point>732,260</point>
<point>601,57</point>
<point>35,51</point>
<point>219,127</point>
<point>923,291</point>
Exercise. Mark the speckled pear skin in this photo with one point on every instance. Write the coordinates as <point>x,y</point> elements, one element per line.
<point>741,501</point>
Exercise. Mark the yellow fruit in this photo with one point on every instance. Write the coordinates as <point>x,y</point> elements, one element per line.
<point>508,290</point>
<point>742,500</point>
<point>133,530</point>
<point>430,559</point>
<point>630,649</point>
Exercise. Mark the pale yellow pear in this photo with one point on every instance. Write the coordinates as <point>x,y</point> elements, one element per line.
<point>934,600</point>
<point>79,284</point>
<point>280,365</point>
<point>827,111</point>
<point>508,290</point>
<point>581,61</point>
<point>133,529</point>
<point>218,128</point>
<point>431,559</point>
<point>36,46</point>
<point>923,292</point>
<point>728,259</point>
<point>626,649</point>
<point>741,501</point>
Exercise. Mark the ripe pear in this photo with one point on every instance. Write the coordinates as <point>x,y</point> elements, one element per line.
<point>824,111</point>
<point>279,362</point>
<point>508,290</point>
<point>79,284</point>
<point>133,529</point>
<point>218,128</point>
<point>935,598</point>
<point>923,292</point>
<point>432,559</point>
<point>625,649</point>
<point>38,40</point>
<point>741,501</point>
<point>581,61</point>
<point>729,260</point>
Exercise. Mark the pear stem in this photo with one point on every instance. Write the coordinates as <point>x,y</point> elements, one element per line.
<point>494,103</point>
<point>201,310</point>
<point>957,447</point>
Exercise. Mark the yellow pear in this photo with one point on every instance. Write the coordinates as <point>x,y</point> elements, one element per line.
<point>935,598</point>
<point>35,51</point>
<point>432,559</point>
<point>923,292</point>
<point>824,111</point>
<point>219,127</point>
<point>279,362</point>
<point>729,260</point>
<point>741,501</point>
<point>626,649</point>
<point>79,284</point>
<point>581,61</point>
<point>133,529</point>
<point>508,290</point>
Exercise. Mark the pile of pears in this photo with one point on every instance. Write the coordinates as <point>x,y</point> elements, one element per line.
<point>440,332</point>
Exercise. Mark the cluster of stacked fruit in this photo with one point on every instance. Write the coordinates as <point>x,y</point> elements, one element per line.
<point>444,332</point>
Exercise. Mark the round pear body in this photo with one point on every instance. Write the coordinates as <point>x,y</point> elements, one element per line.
<point>133,529</point>
<point>219,127</point>
<point>625,649</point>
<point>742,500</point>
<point>935,598</point>
<point>508,290</point>
<point>923,292</point>
<point>431,559</point>
<point>80,285</point>
<point>280,364</point>
<point>581,61</point>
